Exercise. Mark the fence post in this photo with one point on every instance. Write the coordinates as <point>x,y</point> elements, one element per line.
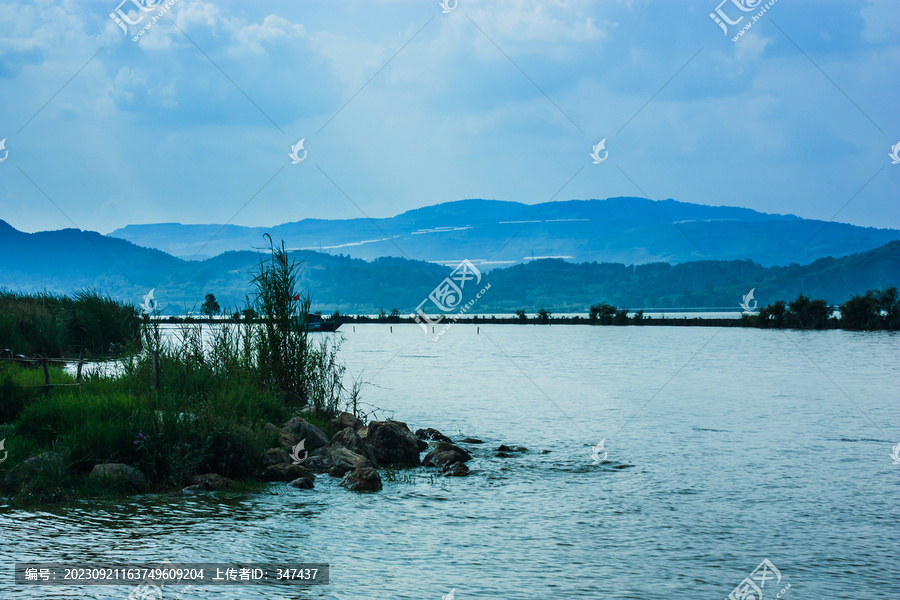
<point>80,363</point>
<point>46,372</point>
<point>156,369</point>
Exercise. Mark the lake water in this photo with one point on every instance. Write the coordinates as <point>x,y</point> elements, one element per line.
<point>725,447</point>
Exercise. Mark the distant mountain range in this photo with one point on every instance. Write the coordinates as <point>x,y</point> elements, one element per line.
<point>68,260</point>
<point>493,234</point>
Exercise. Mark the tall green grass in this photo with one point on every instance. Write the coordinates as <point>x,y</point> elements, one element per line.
<point>55,326</point>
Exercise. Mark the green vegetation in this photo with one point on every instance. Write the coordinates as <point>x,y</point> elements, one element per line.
<point>54,326</point>
<point>218,387</point>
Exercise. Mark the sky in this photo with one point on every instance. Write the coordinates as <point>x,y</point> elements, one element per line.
<point>401,105</point>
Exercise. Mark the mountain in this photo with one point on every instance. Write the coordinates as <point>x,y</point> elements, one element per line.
<point>68,260</point>
<point>492,233</point>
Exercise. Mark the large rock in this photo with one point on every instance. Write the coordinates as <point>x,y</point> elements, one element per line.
<point>209,482</point>
<point>340,460</point>
<point>315,437</point>
<point>349,439</point>
<point>304,483</point>
<point>287,440</point>
<point>121,475</point>
<point>446,454</point>
<point>284,472</point>
<point>274,456</point>
<point>457,469</point>
<point>363,479</point>
<point>44,465</point>
<point>392,443</point>
<point>345,420</point>
<point>432,435</point>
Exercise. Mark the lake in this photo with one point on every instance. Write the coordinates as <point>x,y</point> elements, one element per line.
<point>724,447</point>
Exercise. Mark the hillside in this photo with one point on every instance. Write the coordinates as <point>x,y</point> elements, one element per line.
<point>67,260</point>
<point>494,234</point>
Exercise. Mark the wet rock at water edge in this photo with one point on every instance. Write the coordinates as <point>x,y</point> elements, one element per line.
<point>505,448</point>
<point>433,435</point>
<point>284,472</point>
<point>349,439</point>
<point>445,454</point>
<point>345,420</point>
<point>503,455</point>
<point>210,482</point>
<point>121,475</point>
<point>304,483</point>
<point>471,441</point>
<point>363,479</point>
<point>44,464</point>
<point>274,456</point>
<point>392,443</point>
<point>315,437</point>
<point>339,460</point>
<point>457,469</point>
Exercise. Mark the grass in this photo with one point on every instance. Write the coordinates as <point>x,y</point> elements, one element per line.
<point>56,326</point>
<point>217,391</point>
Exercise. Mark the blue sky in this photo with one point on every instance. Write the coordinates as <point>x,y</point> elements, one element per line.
<point>497,99</point>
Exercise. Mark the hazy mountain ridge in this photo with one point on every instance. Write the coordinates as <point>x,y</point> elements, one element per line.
<point>67,260</point>
<point>497,233</point>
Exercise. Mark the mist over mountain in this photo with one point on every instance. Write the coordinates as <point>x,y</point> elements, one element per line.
<point>68,260</point>
<point>494,233</point>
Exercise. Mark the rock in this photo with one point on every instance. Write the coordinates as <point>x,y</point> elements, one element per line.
<point>210,482</point>
<point>284,472</point>
<point>191,490</point>
<point>457,469</point>
<point>42,465</point>
<point>340,460</point>
<point>432,434</point>
<point>318,464</point>
<point>393,444</point>
<point>545,452</point>
<point>120,474</point>
<point>446,454</point>
<point>315,437</point>
<point>274,456</point>
<point>471,441</point>
<point>304,483</point>
<point>349,439</point>
<point>503,455</point>
<point>505,448</point>
<point>288,440</point>
<point>363,479</point>
<point>345,420</point>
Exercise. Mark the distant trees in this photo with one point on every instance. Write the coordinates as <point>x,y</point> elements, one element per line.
<point>602,313</point>
<point>543,317</point>
<point>521,316</point>
<point>804,313</point>
<point>865,312</point>
<point>210,306</point>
